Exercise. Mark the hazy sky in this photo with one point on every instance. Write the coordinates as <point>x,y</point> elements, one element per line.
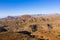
<point>19,7</point>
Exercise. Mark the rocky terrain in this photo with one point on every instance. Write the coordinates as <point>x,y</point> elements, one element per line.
<point>27,27</point>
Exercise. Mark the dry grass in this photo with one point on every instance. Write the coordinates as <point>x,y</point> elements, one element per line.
<point>46,26</point>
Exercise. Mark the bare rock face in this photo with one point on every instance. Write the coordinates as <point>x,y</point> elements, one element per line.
<point>26,18</point>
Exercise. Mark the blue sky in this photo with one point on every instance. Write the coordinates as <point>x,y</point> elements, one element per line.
<point>20,7</point>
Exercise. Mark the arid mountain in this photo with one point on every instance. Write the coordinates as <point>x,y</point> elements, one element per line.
<point>45,27</point>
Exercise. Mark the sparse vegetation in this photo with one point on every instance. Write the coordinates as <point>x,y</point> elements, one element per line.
<point>27,27</point>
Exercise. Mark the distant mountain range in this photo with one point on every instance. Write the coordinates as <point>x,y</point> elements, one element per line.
<point>13,17</point>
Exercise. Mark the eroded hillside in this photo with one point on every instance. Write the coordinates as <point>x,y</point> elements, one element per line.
<point>37,27</point>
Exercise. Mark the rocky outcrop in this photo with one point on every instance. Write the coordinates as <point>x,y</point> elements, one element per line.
<point>2,29</point>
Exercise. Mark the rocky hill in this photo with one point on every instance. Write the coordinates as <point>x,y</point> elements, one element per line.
<point>45,27</point>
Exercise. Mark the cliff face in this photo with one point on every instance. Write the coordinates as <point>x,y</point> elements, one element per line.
<point>43,27</point>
